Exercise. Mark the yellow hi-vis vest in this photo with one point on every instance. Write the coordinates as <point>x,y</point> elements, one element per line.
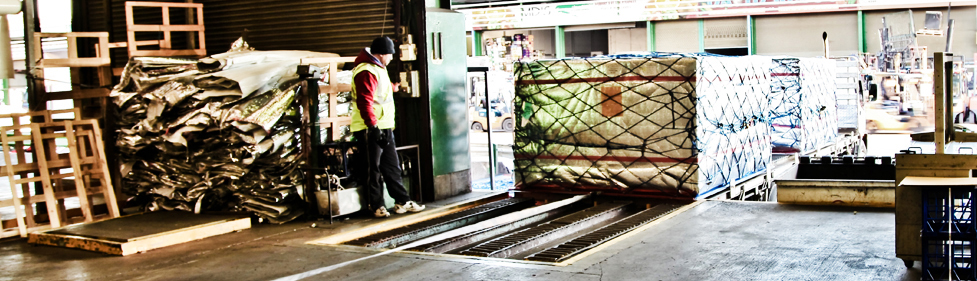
<point>383,99</point>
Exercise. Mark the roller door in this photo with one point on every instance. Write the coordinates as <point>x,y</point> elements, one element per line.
<point>338,26</point>
<point>677,36</point>
<point>800,34</point>
<point>726,33</point>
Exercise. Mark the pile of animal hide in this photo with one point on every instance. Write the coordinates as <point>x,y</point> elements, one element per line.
<point>218,133</point>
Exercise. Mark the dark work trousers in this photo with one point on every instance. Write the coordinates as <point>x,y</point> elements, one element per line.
<point>381,163</point>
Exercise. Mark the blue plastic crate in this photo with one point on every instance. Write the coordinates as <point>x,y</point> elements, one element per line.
<point>949,210</point>
<point>948,259</point>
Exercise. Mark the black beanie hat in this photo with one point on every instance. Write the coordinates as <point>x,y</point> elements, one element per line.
<point>382,45</point>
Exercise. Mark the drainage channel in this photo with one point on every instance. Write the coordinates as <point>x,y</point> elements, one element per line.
<point>548,235</point>
<point>517,242</point>
<point>604,234</point>
<point>413,232</point>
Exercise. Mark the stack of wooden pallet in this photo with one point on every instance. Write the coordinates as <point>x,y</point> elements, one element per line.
<point>75,172</point>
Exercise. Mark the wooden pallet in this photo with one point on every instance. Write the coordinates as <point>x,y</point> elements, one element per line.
<point>334,121</point>
<point>85,157</point>
<point>165,44</point>
<point>141,232</point>
<point>13,229</point>
<point>101,62</point>
<point>100,59</point>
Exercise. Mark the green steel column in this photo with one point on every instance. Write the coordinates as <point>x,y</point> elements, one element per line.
<point>650,30</point>
<point>702,36</point>
<point>477,43</point>
<point>862,47</point>
<point>561,51</point>
<point>751,33</point>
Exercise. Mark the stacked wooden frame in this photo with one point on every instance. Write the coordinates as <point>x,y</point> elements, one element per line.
<point>79,172</point>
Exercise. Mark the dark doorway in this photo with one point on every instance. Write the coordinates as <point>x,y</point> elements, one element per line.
<point>729,51</point>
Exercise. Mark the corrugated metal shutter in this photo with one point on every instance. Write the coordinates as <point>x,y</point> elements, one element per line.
<point>677,36</point>
<point>725,33</point>
<point>337,26</point>
<point>93,20</point>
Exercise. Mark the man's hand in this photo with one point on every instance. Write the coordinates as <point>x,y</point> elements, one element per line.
<point>377,136</point>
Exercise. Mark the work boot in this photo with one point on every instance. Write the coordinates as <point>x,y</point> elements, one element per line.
<point>381,213</point>
<point>410,206</point>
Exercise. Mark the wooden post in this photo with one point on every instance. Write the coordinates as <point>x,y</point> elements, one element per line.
<point>41,155</point>
<point>940,101</point>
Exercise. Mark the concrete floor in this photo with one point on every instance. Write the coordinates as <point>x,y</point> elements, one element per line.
<point>716,240</point>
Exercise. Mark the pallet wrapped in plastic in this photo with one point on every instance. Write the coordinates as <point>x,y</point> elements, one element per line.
<point>803,111</point>
<point>848,94</point>
<point>663,125</point>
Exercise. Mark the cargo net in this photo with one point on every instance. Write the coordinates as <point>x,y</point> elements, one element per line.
<point>219,133</point>
<point>660,125</point>
<point>803,111</point>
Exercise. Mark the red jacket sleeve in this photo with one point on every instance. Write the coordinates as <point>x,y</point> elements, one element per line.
<point>366,86</point>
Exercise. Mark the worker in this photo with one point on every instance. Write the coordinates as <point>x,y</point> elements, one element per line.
<point>966,116</point>
<point>372,127</point>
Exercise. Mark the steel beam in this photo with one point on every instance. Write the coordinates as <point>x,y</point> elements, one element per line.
<point>751,33</point>
<point>650,30</point>
<point>477,43</point>
<point>560,48</point>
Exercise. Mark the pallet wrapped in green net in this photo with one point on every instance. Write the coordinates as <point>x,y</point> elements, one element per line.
<point>666,125</point>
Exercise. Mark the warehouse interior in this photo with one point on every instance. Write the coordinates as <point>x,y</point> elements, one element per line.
<point>548,140</point>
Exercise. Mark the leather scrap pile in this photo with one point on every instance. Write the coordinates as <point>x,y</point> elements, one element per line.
<point>218,133</point>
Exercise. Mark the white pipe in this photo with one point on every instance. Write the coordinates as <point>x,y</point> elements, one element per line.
<point>6,55</point>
